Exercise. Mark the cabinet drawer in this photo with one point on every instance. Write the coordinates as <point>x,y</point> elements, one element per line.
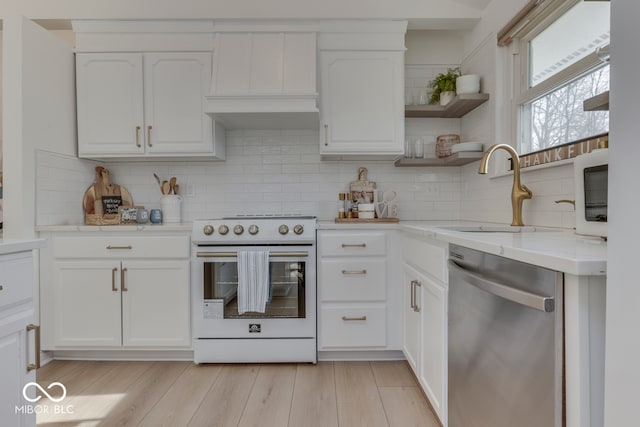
<point>427,257</point>
<point>357,326</point>
<point>350,243</point>
<point>16,278</point>
<point>353,280</point>
<point>118,247</point>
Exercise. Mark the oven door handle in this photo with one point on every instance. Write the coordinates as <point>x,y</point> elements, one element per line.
<point>235,254</point>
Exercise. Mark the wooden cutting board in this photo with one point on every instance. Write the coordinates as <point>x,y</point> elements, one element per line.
<point>102,200</point>
<point>92,201</point>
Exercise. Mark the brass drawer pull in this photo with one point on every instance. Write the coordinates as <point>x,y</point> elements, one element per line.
<point>137,136</point>
<point>357,245</point>
<point>113,279</point>
<point>326,135</point>
<point>149,136</point>
<point>354,271</point>
<point>348,319</point>
<point>122,285</point>
<point>120,247</point>
<point>32,366</point>
<point>416,307</point>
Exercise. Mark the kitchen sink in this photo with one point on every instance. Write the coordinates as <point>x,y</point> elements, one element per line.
<point>493,229</point>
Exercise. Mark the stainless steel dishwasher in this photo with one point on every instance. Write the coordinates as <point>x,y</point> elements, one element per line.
<point>505,342</point>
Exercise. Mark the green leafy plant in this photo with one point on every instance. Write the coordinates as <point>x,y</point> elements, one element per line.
<point>443,82</point>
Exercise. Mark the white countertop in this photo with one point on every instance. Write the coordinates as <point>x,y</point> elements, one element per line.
<point>8,246</point>
<point>560,250</point>
<point>183,226</point>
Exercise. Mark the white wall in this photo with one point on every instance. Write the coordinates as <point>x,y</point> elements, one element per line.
<point>622,374</point>
<point>488,198</point>
<point>38,112</point>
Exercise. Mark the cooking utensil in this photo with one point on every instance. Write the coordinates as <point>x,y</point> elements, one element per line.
<point>172,185</point>
<point>176,187</point>
<point>158,180</point>
<point>166,188</point>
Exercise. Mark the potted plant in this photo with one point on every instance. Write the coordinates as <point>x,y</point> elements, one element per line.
<point>444,86</point>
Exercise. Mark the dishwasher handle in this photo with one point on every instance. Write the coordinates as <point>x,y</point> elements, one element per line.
<point>538,302</point>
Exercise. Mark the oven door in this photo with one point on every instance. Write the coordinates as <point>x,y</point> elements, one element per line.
<point>291,308</point>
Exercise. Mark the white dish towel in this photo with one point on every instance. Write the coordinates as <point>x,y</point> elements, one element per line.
<point>253,281</point>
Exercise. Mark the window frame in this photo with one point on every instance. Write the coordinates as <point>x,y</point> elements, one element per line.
<point>522,93</point>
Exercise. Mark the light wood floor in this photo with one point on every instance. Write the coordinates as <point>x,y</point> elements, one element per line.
<point>177,394</point>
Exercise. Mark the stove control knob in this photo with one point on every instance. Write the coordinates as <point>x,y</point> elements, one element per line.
<point>283,229</point>
<point>238,229</point>
<point>223,229</point>
<point>253,229</point>
<point>208,230</point>
<point>298,229</point>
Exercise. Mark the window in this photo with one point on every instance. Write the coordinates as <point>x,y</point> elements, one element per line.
<point>561,60</point>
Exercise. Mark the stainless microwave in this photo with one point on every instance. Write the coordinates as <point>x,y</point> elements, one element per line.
<point>591,181</point>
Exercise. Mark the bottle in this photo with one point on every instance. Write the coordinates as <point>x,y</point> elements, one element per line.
<point>341,211</point>
<point>348,206</point>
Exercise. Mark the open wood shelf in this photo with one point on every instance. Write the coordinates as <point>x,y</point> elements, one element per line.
<point>599,102</point>
<point>456,159</point>
<point>458,107</point>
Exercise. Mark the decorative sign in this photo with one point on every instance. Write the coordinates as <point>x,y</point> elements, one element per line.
<point>563,152</point>
<point>110,204</point>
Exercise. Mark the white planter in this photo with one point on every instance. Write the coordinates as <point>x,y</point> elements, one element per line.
<point>469,83</point>
<point>446,97</point>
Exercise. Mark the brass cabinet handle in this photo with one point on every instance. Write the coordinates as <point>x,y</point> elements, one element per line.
<point>326,135</point>
<point>113,279</point>
<point>359,245</point>
<point>122,284</point>
<point>32,366</point>
<point>137,136</point>
<point>149,136</point>
<point>416,307</point>
<point>354,271</point>
<point>348,319</point>
<point>120,247</point>
<point>413,295</point>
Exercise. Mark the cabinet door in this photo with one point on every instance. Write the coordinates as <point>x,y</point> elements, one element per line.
<point>175,85</point>
<point>433,367</point>
<point>362,103</point>
<point>110,104</point>
<point>412,318</point>
<point>86,304</point>
<point>13,375</point>
<point>155,303</point>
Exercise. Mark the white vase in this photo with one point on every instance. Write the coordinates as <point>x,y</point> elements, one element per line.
<point>469,83</point>
<point>446,97</point>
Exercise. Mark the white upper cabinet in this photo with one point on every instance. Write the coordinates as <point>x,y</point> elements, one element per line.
<point>174,87</point>
<point>149,104</point>
<point>146,100</point>
<point>362,91</point>
<point>110,103</point>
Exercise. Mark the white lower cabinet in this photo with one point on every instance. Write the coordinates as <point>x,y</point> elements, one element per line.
<point>425,320</point>
<point>133,295</point>
<point>18,345</point>
<point>356,304</point>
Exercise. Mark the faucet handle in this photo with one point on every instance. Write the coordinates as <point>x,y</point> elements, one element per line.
<point>529,193</point>
<point>572,202</point>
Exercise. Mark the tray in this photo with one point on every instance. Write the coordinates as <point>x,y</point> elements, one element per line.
<point>367,220</point>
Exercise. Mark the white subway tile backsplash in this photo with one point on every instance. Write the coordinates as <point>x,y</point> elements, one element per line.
<point>281,172</point>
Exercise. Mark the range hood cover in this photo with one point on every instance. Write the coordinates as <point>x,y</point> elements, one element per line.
<point>264,111</point>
